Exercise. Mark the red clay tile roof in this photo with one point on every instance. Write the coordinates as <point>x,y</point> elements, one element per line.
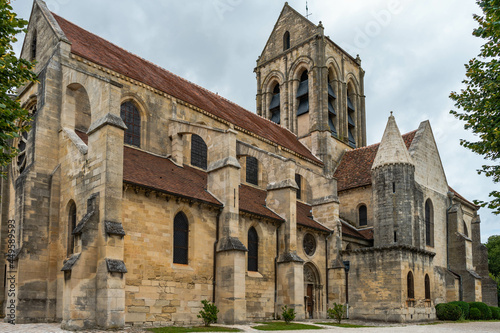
<point>349,230</point>
<point>253,200</point>
<point>305,218</point>
<point>461,197</point>
<point>106,54</point>
<point>355,167</point>
<point>147,170</point>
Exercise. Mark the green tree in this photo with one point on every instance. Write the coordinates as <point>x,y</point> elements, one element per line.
<point>493,246</point>
<point>480,99</point>
<point>14,73</point>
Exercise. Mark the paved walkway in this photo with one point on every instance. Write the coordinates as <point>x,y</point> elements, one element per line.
<point>476,327</point>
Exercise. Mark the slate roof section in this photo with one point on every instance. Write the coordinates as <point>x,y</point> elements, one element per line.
<point>305,218</point>
<point>159,173</point>
<point>106,54</point>
<point>349,230</point>
<point>252,200</point>
<point>355,167</point>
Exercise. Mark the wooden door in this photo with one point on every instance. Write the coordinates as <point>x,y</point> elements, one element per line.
<point>310,300</point>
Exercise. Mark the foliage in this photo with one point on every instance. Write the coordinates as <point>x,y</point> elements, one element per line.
<point>344,325</point>
<point>493,246</point>
<point>208,313</point>
<point>480,100</point>
<point>174,329</point>
<point>288,314</point>
<point>283,326</point>
<point>495,312</point>
<point>464,306</point>
<point>448,311</point>
<point>14,73</point>
<point>337,312</point>
<point>475,314</point>
<point>485,309</point>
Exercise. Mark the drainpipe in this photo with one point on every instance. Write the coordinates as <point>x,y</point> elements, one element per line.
<point>460,282</point>
<point>276,270</point>
<point>215,253</point>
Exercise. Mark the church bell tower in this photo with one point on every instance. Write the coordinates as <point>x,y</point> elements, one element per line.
<point>308,84</point>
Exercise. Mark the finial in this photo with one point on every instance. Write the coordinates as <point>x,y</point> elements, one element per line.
<point>391,113</point>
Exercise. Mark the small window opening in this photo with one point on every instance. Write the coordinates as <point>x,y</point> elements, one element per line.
<point>410,285</point>
<point>363,218</point>
<point>71,227</point>
<point>253,250</point>
<point>286,41</point>
<point>199,152</point>
<point>33,46</point>
<point>393,187</point>
<point>298,180</point>
<point>181,239</point>
<point>395,236</point>
<point>252,170</point>
<point>427,287</point>
<point>132,119</point>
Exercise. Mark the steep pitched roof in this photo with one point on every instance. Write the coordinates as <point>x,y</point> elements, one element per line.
<point>106,54</point>
<point>253,200</point>
<point>392,148</point>
<point>355,167</point>
<point>159,173</point>
<point>305,218</point>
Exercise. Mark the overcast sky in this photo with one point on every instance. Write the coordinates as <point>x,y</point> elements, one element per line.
<point>413,53</point>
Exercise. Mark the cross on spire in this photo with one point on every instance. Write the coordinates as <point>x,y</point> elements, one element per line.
<point>307,11</point>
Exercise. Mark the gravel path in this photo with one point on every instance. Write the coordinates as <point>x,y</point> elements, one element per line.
<point>476,327</point>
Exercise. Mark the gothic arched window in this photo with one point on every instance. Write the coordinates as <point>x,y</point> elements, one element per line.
<point>199,152</point>
<point>363,215</point>
<point>274,107</point>
<point>429,223</point>
<point>303,94</point>
<point>71,227</point>
<point>410,285</point>
<point>253,250</point>
<point>33,46</point>
<point>252,170</point>
<point>286,41</point>
<point>181,239</point>
<point>427,287</point>
<point>132,118</point>
<point>466,232</point>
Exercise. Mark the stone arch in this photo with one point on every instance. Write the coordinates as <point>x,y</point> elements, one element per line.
<point>353,115</point>
<point>262,173</point>
<point>362,210</point>
<point>307,181</point>
<point>185,213</point>
<point>313,291</point>
<point>272,79</point>
<point>77,113</point>
<point>296,69</point>
<point>141,107</point>
<point>334,84</point>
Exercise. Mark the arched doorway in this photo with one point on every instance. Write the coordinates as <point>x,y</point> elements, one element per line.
<point>313,298</point>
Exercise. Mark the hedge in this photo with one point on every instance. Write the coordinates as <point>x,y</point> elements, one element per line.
<point>464,306</point>
<point>448,312</point>
<point>474,314</point>
<point>495,312</point>
<point>483,308</point>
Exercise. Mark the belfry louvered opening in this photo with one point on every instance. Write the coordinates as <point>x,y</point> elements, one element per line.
<point>332,115</point>
<point>351,115</point>
<point>274,107</point>
<point>303,94</point>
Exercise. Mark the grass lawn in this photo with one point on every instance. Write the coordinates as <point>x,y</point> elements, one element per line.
<point>192,329</point>
<point>282,326</point>
<point>343,325</point>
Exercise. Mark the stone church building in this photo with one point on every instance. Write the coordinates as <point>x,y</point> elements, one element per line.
<point>137,194</point>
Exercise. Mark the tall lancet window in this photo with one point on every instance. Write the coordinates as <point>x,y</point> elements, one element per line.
<point>286,41</point>
<point>274,107</point>
<point>303,94</point>
<point>351,128</point>
<point>332,115</point>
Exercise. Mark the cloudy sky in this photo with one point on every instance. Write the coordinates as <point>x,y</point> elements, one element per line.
<point>413,53</point>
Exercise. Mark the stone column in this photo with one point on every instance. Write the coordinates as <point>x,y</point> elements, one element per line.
<point>282,198</point>
<point>223,182</point>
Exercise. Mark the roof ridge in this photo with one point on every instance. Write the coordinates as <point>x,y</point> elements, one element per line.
<point>378,143</point>
<point>157,66</point>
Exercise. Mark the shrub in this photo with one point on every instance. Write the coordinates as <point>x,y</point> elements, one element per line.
<point>448,312</point>
<point>288,314</point>
<point>337,312</point>
<point>474,314</point>
<point>495,312</point>
<point>464,306</point>
<point>483,308</point>
<point>208,313</point>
